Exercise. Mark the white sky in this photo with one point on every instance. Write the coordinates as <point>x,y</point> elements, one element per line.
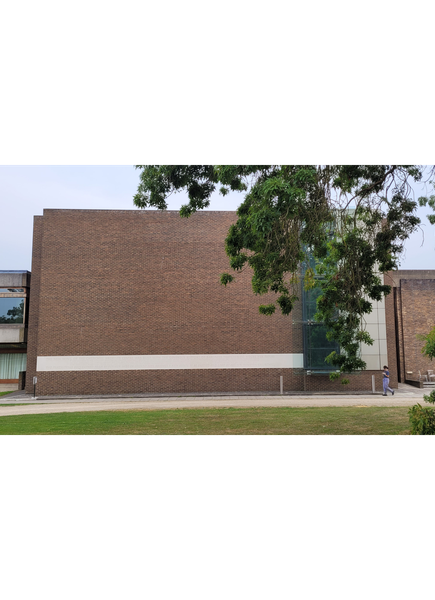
<point>26,190</point>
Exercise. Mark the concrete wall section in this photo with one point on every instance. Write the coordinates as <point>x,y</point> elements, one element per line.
<point>375,356</point>
<point>14,279</point>
<point>169,362</point>
<point>12,334</point>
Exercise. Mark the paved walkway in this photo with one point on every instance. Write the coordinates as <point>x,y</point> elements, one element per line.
<point>8,387</point>
<point>406,395</point>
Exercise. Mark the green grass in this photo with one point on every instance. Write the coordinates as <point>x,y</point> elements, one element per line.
<point>216,421</point>
<point>4,393</point>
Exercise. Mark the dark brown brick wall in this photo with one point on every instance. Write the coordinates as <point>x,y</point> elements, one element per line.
<point>170,381</point>
<point>32,340</point>
<point>414,306</point>
<point>399,334</point>
<point>391,337</point>
<point>132,282</point>
<point>418,317</point>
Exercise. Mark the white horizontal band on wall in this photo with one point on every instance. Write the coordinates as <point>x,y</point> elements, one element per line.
<point>169,361</point>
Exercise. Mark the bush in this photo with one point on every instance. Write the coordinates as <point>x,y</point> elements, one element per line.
<point>422,419</point>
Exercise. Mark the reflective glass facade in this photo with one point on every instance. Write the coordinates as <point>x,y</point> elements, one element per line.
<point>14,294</point>
<point>316,346</point>
<point>11,310</point>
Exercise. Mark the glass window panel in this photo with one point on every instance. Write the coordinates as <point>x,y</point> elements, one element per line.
<point>11,290</point>
<point>316,335</point>
<point>316,359</point>
<point>11,365</point>
<point>11,310</point>
<point>310,297</point>
<point>317,347</point>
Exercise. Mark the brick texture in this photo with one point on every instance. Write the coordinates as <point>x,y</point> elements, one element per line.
<point>414,311</point>
<point>417,317</point>
<point>32,338</point>
<point>390,322</point>
<point>147,282</point>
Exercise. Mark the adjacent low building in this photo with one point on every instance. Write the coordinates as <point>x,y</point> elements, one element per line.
<point>14,308</point>
<point>131,302</point>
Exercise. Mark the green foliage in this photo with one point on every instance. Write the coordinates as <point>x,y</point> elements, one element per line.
<point>430,398</point>
<point>267,309</point>
<point>428,201</point>
<point>422,419</point>
<point>226,278</point>
<point>286,303</point>
<point>352,220</point>
<point>429,346</point>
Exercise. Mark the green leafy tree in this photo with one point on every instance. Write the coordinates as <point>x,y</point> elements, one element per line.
<point>422,418</point>
<point>341,226</point>
<point>429,346</point>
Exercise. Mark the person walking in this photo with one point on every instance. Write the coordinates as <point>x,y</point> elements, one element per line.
<point>386,381</point>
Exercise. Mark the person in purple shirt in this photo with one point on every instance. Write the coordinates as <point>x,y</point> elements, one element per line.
<point>387,381</point>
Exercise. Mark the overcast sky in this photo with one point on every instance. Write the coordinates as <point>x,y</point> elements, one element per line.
<point>26,190</point>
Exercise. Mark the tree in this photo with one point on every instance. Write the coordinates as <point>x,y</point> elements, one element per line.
<point>422,418</point>
<point>429,347</point>
<point>338,227</point>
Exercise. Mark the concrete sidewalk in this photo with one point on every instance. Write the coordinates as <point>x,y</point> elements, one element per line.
<point>21,396</point>
<point>405,396</point>
<point>169,403</point>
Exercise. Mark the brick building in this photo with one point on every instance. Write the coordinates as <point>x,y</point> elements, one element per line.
<point>130,302</point>
<point>414,303</point>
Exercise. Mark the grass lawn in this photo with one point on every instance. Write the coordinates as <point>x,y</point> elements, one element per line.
<point>4,393</point>
<point>216,421</point>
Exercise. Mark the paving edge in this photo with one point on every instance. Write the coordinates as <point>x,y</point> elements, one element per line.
<point>28,397</point>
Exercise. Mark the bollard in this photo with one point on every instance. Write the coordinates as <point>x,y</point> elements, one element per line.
<point>281,384</point>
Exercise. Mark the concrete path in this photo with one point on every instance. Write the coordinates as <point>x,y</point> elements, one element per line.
<point>8,387</point>
<point>404,396</point>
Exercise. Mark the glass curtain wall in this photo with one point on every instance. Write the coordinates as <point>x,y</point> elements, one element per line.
<point>316,345</point>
